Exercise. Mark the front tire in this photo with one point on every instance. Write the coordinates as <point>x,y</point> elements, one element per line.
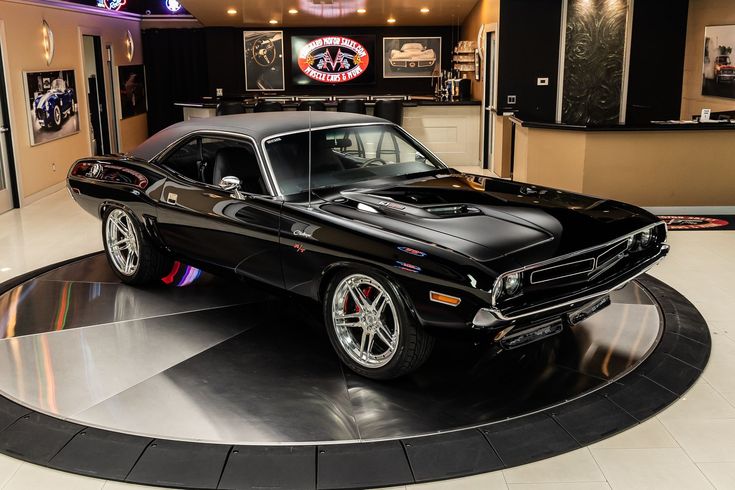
<point>130,253</point>
<point>370,327</point>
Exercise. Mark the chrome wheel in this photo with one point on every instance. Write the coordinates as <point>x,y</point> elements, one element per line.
<point>57,116</point>
<point>121,238</point>
<point>365,321</point>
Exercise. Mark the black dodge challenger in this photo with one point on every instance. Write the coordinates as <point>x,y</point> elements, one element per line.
<point>394,244</point>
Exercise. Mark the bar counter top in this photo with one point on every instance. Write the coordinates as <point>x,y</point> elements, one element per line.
<point>653,126</point>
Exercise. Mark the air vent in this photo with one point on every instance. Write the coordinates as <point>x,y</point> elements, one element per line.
<point>454,210</point>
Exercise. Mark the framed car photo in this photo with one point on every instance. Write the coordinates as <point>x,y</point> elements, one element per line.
<point>412,57</point>
<point>51,105</point>
<point>264,61</point>
<point>132,90</point>
<point>718,69</point>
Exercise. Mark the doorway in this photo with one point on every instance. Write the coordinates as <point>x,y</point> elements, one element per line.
<point>8,187</point>
<point>488,99</point>
<point>94,72</point>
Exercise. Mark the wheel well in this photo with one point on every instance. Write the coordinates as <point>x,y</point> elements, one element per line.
<point>337,268</point>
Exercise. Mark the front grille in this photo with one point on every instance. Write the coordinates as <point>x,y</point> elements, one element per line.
<point>580,267</point>
<point>582,271</point>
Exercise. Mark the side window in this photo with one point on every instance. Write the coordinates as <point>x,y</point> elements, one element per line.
<point>185,160</point>
<point>232,158</point>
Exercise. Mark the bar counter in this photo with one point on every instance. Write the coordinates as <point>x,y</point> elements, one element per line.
<point>451,129</point>
<point>665,164</point>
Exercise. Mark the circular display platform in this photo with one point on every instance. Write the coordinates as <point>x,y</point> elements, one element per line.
<point>221,385</point>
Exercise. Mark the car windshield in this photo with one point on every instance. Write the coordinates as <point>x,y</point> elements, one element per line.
<point>345,156</point>
<point>58,84</point>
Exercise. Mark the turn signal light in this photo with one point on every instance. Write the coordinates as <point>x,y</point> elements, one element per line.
<point>444,299</point>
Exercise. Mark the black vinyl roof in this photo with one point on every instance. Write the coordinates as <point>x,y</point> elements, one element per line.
<point>256,125</point>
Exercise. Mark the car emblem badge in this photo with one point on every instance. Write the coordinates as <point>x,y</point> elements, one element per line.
<point>299,248</point>
<point>412,251</point>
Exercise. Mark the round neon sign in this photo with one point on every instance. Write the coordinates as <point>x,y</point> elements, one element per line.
<point>333,59</point>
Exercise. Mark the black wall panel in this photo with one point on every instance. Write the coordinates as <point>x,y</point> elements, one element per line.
<point>528,48</point>
<point>593,61</point>
<point>656,60</point>
<point>225,54</point>
<point>176,70</point>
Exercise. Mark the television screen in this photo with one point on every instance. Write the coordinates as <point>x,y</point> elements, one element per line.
<point>333,60</point>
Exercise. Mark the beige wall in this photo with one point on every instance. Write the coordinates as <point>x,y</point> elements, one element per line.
<point>485,12</point>
<point>702,13</point>
<point>42,168</point>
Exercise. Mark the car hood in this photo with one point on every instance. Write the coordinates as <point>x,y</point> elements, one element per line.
<point>489,218</point>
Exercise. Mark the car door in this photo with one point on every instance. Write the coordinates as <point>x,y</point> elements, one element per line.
<point>209,226</point>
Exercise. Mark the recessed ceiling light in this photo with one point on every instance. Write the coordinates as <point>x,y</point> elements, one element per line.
<point>293,11</point>
<point>232,11</point>
<point>273,21</point>
<point>361,11</point>
<point>391,20</point>
<point>425,10</point>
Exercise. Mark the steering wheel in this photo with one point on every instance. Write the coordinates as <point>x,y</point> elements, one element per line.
<point>372,162</point>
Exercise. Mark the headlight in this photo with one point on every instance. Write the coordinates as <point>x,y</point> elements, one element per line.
<point>645,238</point>
<point>512,284</point>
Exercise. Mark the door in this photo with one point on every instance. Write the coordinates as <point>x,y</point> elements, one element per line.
<point>489,100</point>
<point>208,226</point>
<point>6,147</point>
<point>94,68</point>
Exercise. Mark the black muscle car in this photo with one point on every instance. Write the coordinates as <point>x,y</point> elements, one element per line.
<point>392,243</point>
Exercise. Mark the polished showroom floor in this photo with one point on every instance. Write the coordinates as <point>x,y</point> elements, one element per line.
<point>690,445</point>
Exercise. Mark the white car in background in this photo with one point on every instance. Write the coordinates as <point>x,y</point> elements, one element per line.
<point>412,55</point>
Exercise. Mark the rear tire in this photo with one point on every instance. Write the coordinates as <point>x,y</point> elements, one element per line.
<point>130,253</point>
<point>370,327</point>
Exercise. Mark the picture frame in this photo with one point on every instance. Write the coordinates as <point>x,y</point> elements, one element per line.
<point>52,104</point>
<point>718,66</point>
<point>132,94</point>
<point>412,57</point>
<point>264,63</point>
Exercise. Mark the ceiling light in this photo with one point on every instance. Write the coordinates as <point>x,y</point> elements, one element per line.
<point>273,21</point>
<point>293,11</point>
<point>425,10</point>
<point>231,11</point>
<point>391,20</point>
<point>361,11</point>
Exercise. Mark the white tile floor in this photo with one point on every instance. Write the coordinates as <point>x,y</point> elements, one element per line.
<point>690,445</point>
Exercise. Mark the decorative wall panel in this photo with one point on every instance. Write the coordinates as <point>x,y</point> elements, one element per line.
<point>594,61</point>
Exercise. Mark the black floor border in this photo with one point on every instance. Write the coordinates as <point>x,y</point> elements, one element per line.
<point>663,377</point>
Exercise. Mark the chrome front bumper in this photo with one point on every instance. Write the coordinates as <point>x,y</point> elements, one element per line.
<point>489,318</point>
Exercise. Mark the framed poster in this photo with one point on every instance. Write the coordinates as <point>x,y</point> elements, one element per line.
<point>131,87</point>
<point>718,70</point>
<point>412,57</point>
<point>264,61</point>
<point>51,105</point>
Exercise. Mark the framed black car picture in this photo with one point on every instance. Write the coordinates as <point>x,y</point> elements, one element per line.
<point>132,90</point>
<point>264,61</point>
<point>51,105</point>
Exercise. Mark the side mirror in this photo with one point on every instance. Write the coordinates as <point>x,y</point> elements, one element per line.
<point>230,183</point>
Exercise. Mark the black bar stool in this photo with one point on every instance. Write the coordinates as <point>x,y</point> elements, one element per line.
<point>352,105</point>
<point>267,106</point>
<point>231,107</point>
<point>392,110</point>
<point>314,105</point>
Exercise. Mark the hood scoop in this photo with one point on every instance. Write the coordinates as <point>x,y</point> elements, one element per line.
<point>384,205</point>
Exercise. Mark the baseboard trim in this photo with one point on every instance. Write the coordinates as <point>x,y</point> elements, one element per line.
<point>41,194</point>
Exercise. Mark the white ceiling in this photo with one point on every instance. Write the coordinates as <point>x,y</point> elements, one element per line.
<point>319,13</point>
